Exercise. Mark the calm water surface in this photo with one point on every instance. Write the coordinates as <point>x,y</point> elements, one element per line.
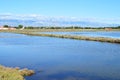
<point>61,59</point>
<point>109,34</point>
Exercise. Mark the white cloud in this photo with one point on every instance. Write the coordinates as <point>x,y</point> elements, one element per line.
<point>55,20</point>
<point>58,18</point>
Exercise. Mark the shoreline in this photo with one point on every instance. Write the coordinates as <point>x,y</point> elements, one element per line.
<point>99,39</point>
<point>76,37</point>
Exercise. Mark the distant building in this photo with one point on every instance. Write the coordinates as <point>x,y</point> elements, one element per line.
<point>12,28</point>
<point>108,29</point>
<point>2,28</point>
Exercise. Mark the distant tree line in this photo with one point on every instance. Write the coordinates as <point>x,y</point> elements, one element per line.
<point>18,27</point>
<point>70,27</point>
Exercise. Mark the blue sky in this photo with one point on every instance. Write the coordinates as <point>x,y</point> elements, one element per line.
<point>109,9</point>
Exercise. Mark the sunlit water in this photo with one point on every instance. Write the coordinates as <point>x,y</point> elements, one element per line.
<point>109,34</point>
<point>61,59</point>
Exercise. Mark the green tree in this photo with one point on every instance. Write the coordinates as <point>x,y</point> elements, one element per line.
<point>5,26</point>
<point>118,27</point>
<point>20,26</point>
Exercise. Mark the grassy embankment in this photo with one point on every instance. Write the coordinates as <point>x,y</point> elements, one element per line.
<point>33,32</point>
<point>7,73</point>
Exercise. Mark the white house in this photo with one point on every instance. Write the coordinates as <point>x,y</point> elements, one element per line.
<point>2,28</point>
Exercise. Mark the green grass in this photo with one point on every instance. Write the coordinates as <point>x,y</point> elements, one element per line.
<point>7,73</point>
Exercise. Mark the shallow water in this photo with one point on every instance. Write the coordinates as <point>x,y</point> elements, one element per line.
<point>61,59</point>
<point>109,34</point>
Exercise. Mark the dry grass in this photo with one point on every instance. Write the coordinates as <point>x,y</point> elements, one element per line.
<point>100,39</point>
<point>33,32</point>
<point>7,73</point>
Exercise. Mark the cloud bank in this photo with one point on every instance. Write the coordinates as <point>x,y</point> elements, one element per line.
<point>40,20</point>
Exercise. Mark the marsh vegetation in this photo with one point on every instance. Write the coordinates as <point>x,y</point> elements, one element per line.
<point>8,73</point>
<point>34,32</point>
